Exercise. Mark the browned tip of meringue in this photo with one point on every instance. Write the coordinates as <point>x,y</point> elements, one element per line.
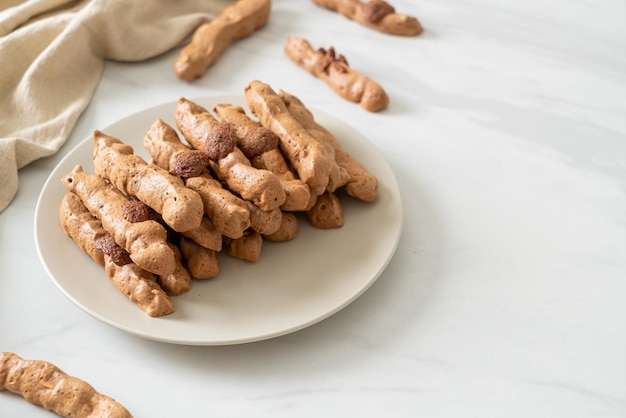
<point>118,255</point>
<point>136,211</point>
<point>189,164</point>
<point>258,141</point>
<point>220,141</point>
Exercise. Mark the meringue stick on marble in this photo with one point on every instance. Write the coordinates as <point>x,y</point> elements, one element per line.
<point>42,383</point>
<point>375,14</point>
<point>211,39</point>
<point>335,71</point>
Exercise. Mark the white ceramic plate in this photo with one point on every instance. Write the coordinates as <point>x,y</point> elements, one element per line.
<point>295,284</point>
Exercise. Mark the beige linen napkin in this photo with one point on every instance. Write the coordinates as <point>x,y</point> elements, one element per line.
<point>52,54</point>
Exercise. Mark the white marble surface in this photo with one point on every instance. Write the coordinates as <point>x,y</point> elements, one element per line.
<point>506,296</point>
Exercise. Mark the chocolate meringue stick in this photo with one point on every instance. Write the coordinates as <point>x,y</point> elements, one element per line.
<point>180,207</point>
<point>229,214</point>
<point>375,14</point>
<point>42,383</point>
<point>131,280</point>
<point>205,133</point>
<point>250,133</point>
<point>146,242</point>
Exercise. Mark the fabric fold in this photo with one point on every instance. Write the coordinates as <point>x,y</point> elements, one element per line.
<point>53,54</point>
